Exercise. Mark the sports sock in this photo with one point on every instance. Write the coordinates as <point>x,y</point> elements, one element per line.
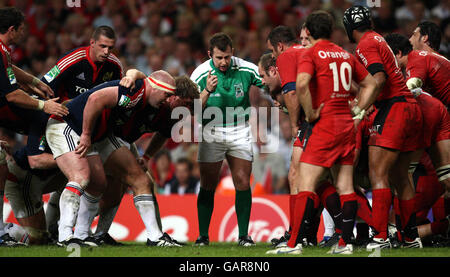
<point>439,209</point>
<point>328,224</point>
<point>408,219</point>
<point>105,220</point>
<point>69,204</point>
<point>364,210</point>
<point>52,211</point>
<point>291,211</point>
<point>331,201</point>
<point>205,206</point>
<point>146,208</point>
<point>381,204</point>
<point>362,231</point>
<point>305,204</point>
<point>2,224</point>
<point>89,205</point>
<point>349,207</point>
<point>440,227</point>
<point>243,202</point>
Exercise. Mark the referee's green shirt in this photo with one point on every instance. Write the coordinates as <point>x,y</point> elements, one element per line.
<point>232,90</point>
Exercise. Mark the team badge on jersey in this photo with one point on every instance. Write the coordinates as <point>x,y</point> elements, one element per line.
<point>11,76</point>
<point>52,74</point>
<point>107,77</point>
<point>239,90</point>
<point>124,101</point>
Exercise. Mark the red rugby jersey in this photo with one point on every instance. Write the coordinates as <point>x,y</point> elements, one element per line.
<point>376,55</point>
<point>333,70</point>
<point>287,66</point>
<point>434,71</point>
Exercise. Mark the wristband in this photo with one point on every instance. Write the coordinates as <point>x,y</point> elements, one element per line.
<point>359,115</point>
<point>208,91</point>
<point>41,105</point>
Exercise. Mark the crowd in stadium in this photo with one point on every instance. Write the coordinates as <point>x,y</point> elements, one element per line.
<point>172,35</point>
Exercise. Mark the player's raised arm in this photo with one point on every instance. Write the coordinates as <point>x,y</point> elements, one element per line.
<point>96,103</point>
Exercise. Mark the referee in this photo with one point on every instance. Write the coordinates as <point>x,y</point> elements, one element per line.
<point>224,82</point>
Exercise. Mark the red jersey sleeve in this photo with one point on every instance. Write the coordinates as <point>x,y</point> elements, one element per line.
<point>369,55</point>
<point>306,63</point>
<point>287,69</point>
<point>359,71</point>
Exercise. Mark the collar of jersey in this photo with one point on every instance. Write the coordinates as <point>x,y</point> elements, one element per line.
<point>7,47</point>
<point>211,63</point>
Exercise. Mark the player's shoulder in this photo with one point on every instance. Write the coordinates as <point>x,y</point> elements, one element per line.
<point>244,66</point>
<point>201,71</point>
<point>72,57</point>
<point>114,60</point>
<point>240,63</point>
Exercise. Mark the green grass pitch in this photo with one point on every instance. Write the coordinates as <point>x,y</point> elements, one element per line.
<point>214,250</point>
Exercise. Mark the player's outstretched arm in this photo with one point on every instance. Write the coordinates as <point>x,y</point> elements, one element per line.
<point>36,86</point>
<point>96,103</point>
<point>23,100</point>
<point>42,161</point>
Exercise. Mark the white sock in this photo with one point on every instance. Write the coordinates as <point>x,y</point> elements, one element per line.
<point>89,205</point>
<point>105,220</point>
<point>68,206</point>
<point>2,224</point>
<point>328,223</point>
<point>18,233</point>
<point>146,208</point>
<point>52,211</point>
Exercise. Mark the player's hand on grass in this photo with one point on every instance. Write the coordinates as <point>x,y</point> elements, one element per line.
<point>51,106</point>
<point>314,116</point>
<point>83,146</point>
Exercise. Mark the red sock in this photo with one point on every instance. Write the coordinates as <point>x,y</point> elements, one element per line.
<point>364,211</point>
<point>440,227</point>
<point>305,203</point>
<point>381,203</point>
<point>398,221</point>
<point>439,209</point>
<point>349,207</point>
<point>408,218</point>
<point>291,212</point>
<point>447,206</point>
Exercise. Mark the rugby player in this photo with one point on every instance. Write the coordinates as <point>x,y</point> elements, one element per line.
<point>93,117</point>
<point>17,107</point>
<point>283,45</point>
<point>330,138</point>
<point>425,67</point>
<point>396,131</point>
<point>75,73</point>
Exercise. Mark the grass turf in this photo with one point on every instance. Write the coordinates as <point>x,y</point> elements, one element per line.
<point>214,250</point>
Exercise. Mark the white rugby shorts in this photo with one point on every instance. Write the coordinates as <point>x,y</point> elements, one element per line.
<point>235,141</point>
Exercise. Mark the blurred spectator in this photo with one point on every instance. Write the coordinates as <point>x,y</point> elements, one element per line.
<point>384,18</point>
<point>134,54</point>
<point>442,10</point>
<point>412,10</point>
<point>162,169</point>
<point>184,182</point>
